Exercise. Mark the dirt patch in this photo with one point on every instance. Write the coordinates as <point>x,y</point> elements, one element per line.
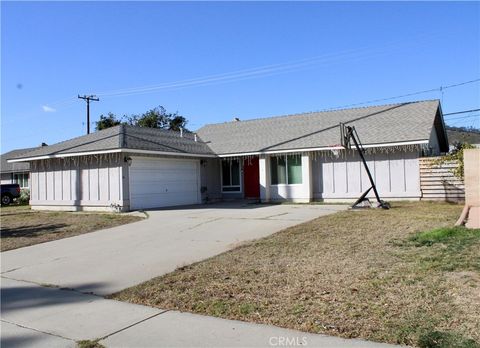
<point>20,226</point>
<point>352,274</point>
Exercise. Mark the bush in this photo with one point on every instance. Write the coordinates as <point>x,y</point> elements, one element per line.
<point>24,196</point>
<point>456,156</point>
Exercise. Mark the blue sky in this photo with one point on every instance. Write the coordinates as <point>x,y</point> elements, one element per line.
<point>214,61</point>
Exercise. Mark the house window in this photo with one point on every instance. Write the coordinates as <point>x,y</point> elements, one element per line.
<point>286,169</point>
<point>21,179</point>
<point>231,175</point>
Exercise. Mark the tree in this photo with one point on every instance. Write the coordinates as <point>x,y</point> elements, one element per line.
<point>107,121</point>
<point>158,118</point>
<point>155,118</point>
<point>177,122</point>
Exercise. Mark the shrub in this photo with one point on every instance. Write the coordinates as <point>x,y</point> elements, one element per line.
<point>456,156</point>
<point>24,196</point>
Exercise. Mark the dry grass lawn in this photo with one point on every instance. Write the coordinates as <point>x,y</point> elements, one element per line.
<point>21,227</point>
<point>367,274</point>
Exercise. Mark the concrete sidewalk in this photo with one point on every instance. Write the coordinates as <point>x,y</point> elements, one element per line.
<point>36,316</point>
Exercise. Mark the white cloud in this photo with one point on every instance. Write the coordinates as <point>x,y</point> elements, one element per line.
<point>47,108</point>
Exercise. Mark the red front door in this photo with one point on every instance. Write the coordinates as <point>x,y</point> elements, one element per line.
<point>251,177</point>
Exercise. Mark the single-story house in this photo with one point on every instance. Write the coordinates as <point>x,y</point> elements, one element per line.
<point>293,157</point>
<point>17,172</point>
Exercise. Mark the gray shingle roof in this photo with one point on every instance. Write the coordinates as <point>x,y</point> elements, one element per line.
<point>125,137</point>
<point>14,167</point>
<point>374,124</point>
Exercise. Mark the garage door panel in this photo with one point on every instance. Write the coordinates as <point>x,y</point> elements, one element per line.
<point>164,174</point>
<point>149,189</point>
<point>163,182</point>
<point>159,182</point>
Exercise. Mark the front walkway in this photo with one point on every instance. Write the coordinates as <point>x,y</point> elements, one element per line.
<point>50,291</point>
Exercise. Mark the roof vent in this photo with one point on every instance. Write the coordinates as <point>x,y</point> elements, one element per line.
<point>236,119</point>
<point>195,136</point>
<point>181,132</point>
<point>43,144</point>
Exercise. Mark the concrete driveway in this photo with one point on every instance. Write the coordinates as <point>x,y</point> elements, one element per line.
<point>34,314</point>
<point>110,260</point>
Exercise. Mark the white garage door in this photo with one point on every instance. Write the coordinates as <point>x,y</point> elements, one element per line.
<point>161,182</point>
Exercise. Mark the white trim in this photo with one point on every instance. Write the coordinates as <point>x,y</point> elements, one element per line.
<point>153,152</point>
<point>133,151</point>
<point>64,155</point>
<point>339,147</point>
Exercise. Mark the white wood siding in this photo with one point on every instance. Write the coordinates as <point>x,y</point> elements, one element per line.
<point>396,176</point>
<point>82,181</point>
<point>210,178</point>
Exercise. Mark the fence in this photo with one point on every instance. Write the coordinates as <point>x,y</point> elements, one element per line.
<point>437,181</point>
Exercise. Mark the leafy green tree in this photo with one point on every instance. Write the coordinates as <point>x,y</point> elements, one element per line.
<point>177,122</point>
<point>107,121</point>
<point>155,118</point>
<point>158,118</point>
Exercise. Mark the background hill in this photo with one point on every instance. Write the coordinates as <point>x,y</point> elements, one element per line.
<point>463,134</point>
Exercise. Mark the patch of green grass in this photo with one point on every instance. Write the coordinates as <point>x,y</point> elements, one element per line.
<point>298,308</point>
<point>448,249</point>
<point>219,308</point>
<point>89,344</point>
<point>439,339</point>
<point>410,331</point>
<point>246,308</point>
<point>457,236</point>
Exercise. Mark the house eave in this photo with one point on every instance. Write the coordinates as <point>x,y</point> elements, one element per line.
<point>102,152</point>
<point>324,148</point>
<point>166,153</point>
<point>15,171</point>
<point>253,153</point>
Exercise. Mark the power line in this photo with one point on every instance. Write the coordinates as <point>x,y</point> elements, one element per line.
<point>262,71</point>
<point>461,112</point>
<point>462,117</point>
<point>407,95</point>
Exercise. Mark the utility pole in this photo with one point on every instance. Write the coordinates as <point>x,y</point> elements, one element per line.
<point>88,98</point>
